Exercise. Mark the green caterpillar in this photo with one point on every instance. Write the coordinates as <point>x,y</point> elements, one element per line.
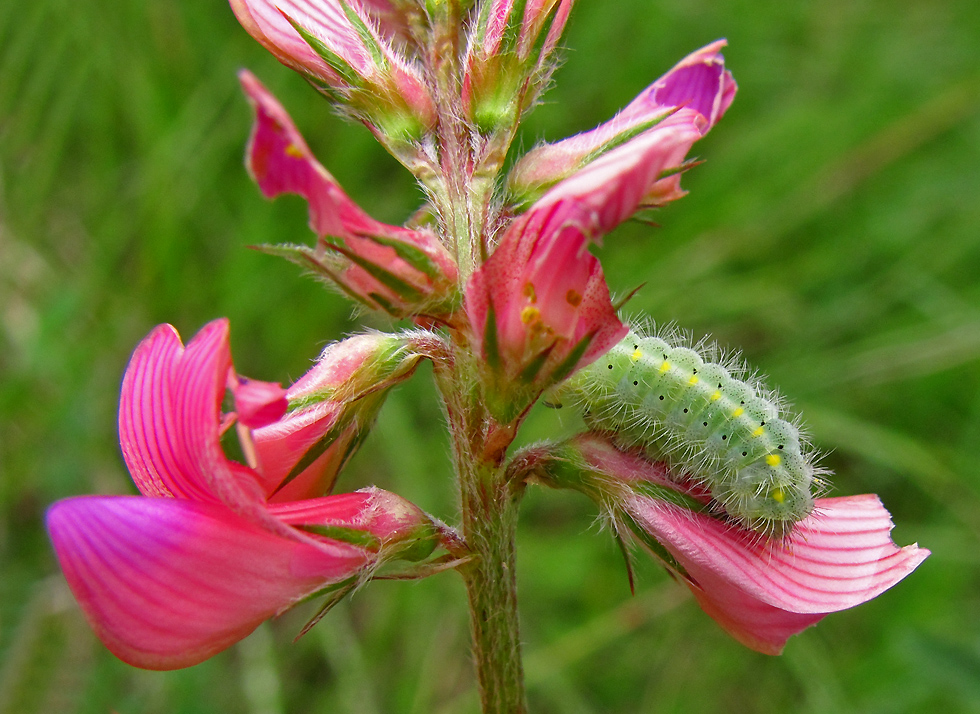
<point>727,433</point>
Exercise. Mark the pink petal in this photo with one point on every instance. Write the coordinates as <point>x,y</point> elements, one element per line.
<point>265,20</point>
<point>381,513</point>
<point>699,82</point>
<point>168,583</point>
<point>169,415</point>
<point>281,162</point>
<point>259,403</point>
<point>614,185</point>
<point>840,556</point>
<point>280,447</point>
<point>543,264</point>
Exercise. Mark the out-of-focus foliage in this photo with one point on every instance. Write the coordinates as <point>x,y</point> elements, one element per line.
<point>833,234</point>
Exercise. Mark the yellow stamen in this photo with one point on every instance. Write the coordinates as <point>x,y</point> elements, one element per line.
<point>530,314</point>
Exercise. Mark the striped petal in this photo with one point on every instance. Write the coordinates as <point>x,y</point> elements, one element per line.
<point>762,591</point>
<point>267,22</point>
<point>169,419</point>
<point>167,583</point>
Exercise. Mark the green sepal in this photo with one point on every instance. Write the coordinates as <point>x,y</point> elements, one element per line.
<point>335,593</point>
<point>367,38</point>
<point>391,281</point>
<point>567,365</point>
<point>353,536</point>
<point>306,257</point>
<point>534,367</point>
<point>491,345</point>
<point>515,23</point>
<point>411,254</point>
<point>651,543</point>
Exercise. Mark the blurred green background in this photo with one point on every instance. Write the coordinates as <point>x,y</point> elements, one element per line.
<point>832,234</point>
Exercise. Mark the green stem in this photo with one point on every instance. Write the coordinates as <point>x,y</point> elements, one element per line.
<point>489,503</point>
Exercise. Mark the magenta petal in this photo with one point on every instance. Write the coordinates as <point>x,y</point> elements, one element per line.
<point>267,22</point>
<point>764,591</point>
<point>259,403</point>
<point>615,185</point>
<point>281,162</point>
<point>699,82</point>
<point>169,420</point>
<point>167,583</point>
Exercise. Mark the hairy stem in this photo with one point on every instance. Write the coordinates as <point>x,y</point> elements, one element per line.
<point>489,503</point>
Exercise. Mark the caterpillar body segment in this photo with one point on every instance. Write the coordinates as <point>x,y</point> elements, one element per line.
<point>704,420</point>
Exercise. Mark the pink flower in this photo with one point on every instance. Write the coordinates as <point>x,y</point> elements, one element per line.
<point>300,455</point>
<point>539,306</point>
<point>698,83</point>
<point>335,43</point>
<point>172,577</point>
<point>761,591</point>
<point>389,268</point>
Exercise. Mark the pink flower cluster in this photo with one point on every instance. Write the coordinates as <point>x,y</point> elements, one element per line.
<point>501,279</point>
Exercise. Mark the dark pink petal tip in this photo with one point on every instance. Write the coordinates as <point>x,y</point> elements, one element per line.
<point>167,583</point>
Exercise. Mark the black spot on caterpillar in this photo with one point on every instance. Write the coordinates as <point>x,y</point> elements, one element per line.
<point>705,420</point>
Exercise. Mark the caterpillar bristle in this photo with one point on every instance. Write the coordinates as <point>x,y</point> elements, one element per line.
<point>711,418</point>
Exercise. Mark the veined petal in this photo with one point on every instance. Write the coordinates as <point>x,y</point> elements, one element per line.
<point>167,583</point>
<point>762,591</point>
<point>169,415</point>
<point>266,21</point>
<point>699,81</point>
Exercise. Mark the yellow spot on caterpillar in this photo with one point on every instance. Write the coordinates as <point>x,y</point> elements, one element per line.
<point>716,396</point>
<point>636,355</point>
<point>295,152</point>
<point>738,412</point>
<point>778,495</point>
<point>665,367</point>
<point>773,460</point>
<point>758,432</point>
<point>694,379</point>
<point>530,314</point>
